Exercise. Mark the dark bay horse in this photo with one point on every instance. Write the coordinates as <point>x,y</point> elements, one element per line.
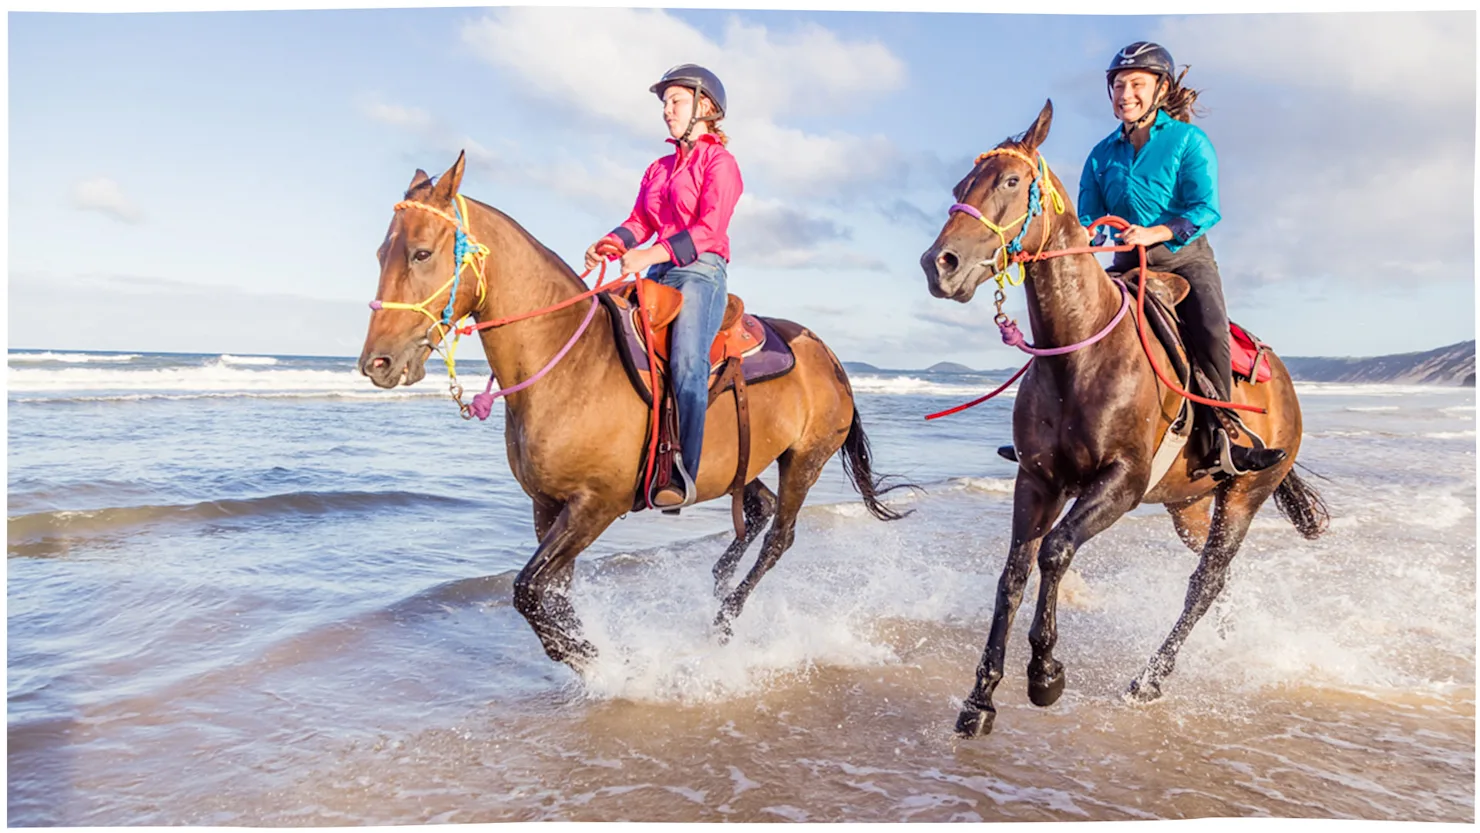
<point>1087,423</point>
<point>575,438</point>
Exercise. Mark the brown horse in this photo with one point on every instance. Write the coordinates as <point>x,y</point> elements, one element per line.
<point>575,439</point>
<point>1086,425</point>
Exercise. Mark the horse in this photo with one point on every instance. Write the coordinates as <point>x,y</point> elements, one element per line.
<point>575,439</point>
<point>1088,422</point>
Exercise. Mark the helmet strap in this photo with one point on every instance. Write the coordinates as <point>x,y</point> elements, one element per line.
<point>693,113</point>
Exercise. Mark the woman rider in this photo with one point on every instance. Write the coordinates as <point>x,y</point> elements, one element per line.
<point>1160,173</point>
<point>686,199</point>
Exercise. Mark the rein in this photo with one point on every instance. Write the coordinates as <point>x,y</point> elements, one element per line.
<point>1013,253</point>
<point>468,252</point>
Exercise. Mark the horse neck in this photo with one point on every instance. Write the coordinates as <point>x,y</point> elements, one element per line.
<point>523,276</point>
<point>1070,298</point>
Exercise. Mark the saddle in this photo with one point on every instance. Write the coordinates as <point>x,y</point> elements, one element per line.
<point>746,350</point>
<point>1164,291</point>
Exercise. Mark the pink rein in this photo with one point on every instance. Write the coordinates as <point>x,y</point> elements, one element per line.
<point>1013,337</point>
<point>482,404</point>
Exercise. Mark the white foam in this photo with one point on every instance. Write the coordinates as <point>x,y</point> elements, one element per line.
<point>227,358</point>
<point>990,485</point>
<point>69,358</point>
<point>209,378</point>
<point>911,385</point>
<point>1450,435</point>
<point>1373,389</point>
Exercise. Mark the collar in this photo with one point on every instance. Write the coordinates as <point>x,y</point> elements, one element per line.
<point>1161,121</point>
<point>704,138</point>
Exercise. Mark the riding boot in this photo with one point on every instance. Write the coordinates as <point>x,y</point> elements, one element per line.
<point>680,491</point>
<point>1238,459</point>
<point>1007,453</point>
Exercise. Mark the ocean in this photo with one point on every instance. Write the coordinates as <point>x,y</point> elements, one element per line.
<point>255,590</point>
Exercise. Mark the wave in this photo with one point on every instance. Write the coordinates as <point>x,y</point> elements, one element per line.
<point>69,358</point>
<point>212,377</point>
<point>907,385</point>
<point>1376,389</point>
<point>227,358</point>
<point>54,532</point>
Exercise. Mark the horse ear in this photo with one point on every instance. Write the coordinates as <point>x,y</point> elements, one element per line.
<point>417,180</point>
<point>1038,133</point>
<point>449,182</point>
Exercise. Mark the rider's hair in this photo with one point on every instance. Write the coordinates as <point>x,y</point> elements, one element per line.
<point>1179,100</point>
<point>706,107</point>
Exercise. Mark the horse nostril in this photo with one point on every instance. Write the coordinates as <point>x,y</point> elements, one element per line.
<point>379,363</point>
<point>946,262</point>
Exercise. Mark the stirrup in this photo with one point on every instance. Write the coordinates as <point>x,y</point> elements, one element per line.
<point>681,483</point>
<point>1256,459</point>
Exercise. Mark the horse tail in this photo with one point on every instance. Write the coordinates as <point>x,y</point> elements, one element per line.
<point>1302,506</point>
<point>858,465</point>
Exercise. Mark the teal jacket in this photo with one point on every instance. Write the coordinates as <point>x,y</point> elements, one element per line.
<point>1173,181</point>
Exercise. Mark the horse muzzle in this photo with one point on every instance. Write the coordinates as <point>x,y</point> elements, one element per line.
<point>949,276</point>
<point>405,367</point>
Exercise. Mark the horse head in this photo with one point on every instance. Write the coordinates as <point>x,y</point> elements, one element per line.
<point>1007,191</point>
<point>424,288</point>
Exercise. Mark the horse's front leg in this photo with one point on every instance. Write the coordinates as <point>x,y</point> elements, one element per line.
<point>1114,492</point>
<point>554,620</point>
<point>1034,506</point>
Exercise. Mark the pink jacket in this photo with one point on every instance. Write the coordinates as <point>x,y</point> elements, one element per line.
<point>687,203</point>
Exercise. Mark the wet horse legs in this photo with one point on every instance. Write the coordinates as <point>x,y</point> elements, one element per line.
<point>1035,506</point>
<point>1232,514</point>
<point>1109,497</point>
<point>759,504</point>
<point>572,529</point>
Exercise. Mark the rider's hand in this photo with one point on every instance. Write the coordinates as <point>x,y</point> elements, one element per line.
<point>1141,236</point>
<point>606,248</point>
<point>591,257</point>
<point>637,261</point>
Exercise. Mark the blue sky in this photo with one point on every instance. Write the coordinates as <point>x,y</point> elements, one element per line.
<point>219,181</point>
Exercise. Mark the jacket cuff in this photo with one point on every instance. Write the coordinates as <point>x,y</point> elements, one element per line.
<point>1182,229</point>
<point>681,248</point>
<point>627,237</point>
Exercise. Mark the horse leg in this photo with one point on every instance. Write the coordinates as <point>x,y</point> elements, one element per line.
<point>1191,519</point>
<point>1106,499</point>
<point>1232,514</point>
<point>797,474</point>
<point>550,614</point>
<point>760,504</point>
<point>1035,505</point>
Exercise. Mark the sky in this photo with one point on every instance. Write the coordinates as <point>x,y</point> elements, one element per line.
<point>217,181</point>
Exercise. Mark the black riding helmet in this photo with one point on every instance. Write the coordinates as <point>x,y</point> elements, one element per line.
<point>1147,57</point>
<point>1142,55</point>
<point>702,82</point>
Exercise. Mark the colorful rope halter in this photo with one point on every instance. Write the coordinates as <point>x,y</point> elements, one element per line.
<point>467,252</point>
<point>1040,191</point>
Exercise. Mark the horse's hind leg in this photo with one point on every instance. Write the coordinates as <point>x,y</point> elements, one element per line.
<point>798,471</point>
<point>1191,519</point>
<point>1104,502</point>
<point>759,504</point>
<point>550,613</point>
<point>1234,510</point>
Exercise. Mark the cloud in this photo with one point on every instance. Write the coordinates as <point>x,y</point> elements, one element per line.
<point>408,117</point>
<point>106,197</point>
<point>582,63</point>
<point>1346,150</point>
<point>774,234</point>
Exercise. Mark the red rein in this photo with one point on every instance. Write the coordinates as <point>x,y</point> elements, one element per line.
<point>1116,222</point>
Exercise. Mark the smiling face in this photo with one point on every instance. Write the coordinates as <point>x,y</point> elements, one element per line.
<point>1133,94</point>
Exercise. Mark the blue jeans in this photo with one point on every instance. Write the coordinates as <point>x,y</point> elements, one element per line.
<point>692,332</point>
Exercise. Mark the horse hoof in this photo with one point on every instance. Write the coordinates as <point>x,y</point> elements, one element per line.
<point>974,722</point>
<point>1044,691</point>
<point>722,630</point>
<point>1143,691</point>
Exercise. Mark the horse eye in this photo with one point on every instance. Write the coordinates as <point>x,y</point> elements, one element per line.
<point>421,254</point>
<point>1012,182</point>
